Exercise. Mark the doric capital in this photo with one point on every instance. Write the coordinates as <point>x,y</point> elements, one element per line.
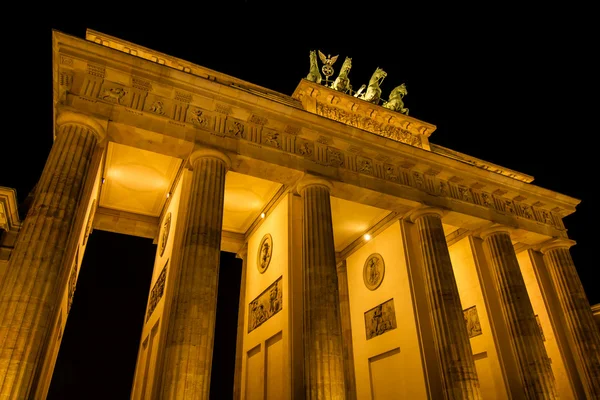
<point>494,229</point>
<point>556,244</point>
<point>68,117</point>
<point>206,152</point>
<point>414,215</point>
<point>311,180</point>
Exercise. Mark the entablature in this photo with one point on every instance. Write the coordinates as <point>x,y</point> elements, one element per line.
<point>140,98</point>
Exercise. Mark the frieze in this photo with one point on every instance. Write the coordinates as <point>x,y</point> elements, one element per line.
<point>157,291</point>
<point>271,138</point>
<point>66,60</point>
<point>368,124</point>
<point>141,84</point>
<point>380,319</point>
<point>335,158</point>
<point>235,129</point>
<point>304,148</point>
<point>183,97</point>
<point>265,305</point>
<point>199,118</point>
<point>292,130</point>
<point>223,109</point>
<point>96,70</point>
<point>255,119</point>
<point>365,165</point>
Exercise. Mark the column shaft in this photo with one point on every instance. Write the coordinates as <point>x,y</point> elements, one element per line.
<point>323,354</point>
<point>30,290</point>
<point>350,380</point>
<point>239,345</point>
<point>449,328</point>
<point>526,337</point>
<point>578,316</point>
<point>190,336</point>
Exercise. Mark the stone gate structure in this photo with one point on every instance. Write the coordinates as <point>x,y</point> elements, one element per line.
<point>376,264</point>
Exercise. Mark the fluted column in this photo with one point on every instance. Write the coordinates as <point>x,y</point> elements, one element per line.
<point>190,335</point>
<point>239,345</point>
<point>323,354</point>
<point>350,379</point>
<point>30,291</point>
<point>577,313</point>
<point>525,335</point>
<point>449,329</point>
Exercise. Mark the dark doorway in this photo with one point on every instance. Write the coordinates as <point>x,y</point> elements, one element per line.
<point>99,348</point>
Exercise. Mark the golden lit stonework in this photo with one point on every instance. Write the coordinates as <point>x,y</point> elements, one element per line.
<point>477,264</point>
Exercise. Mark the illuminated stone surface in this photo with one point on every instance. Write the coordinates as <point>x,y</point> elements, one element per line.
<point>377,168</point>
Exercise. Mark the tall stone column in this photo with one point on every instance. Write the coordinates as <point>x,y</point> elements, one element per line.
<point>190,334</point>
<point>350,380</point>
<point>448,324</point>
<point>525,335</point>
<point>323,351</point>
<point>31,289</point>
<point>577,313</point>
<point>239,345</point>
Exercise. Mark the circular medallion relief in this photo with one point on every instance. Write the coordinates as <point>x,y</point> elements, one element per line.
<point>165,234</point>
<point>373,271</point>
<point>264,253</point>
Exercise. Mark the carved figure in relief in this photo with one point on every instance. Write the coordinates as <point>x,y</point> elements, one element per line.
<point>390,173</point>
<point>465,194</point>
<point>259,314</point>
<point>157,107</point>
<point>373,93</point>
<point>304,149</point>
<point>114,93</point>
<point>199,118</point>
<point>271,139</point>
<point>236,129</point>
<point>443,188</point>
<point>380,319</point>
<point>526,210</point>
<point>472,321</point>
<point>274,300</point>
<point>335,158</point>
<point>395,102</point>
<point>510,206</point>
<point>419,182</point>
<point>328,62</point>
<point>487,200</point>
<point>314,75</point>
<point>365,167</point>
<point>547,217</point>
<point>342,82</point>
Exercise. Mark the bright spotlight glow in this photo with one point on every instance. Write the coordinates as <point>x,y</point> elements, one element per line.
<point>367,236</point>
<point>262,215</point>
<point>168,195</point>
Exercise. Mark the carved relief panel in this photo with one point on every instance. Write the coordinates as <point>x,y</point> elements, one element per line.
<point>164,237</point>
<point>200,118</point>
<point>472,321</point>
<point>265,305</point>
<point>380,319</point>
<point>157,291</point>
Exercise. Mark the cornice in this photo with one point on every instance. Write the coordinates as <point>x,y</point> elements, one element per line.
<point>193,106</point>
<point>9,207</point>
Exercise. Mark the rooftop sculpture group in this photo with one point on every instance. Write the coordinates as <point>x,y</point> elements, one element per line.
<point>342,82</point>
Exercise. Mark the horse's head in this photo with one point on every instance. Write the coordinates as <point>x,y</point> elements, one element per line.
<point>346,65</point>
<point>378,75</point>
<point>313,56</point>
<point>399,90</point>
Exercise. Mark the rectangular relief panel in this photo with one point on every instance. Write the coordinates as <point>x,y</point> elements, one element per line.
<point>384,370</point>
<point>265,305</point>
<point>380,319</point>
<point>274,374</point>
<point>254,374</point>
<point>472,321</point>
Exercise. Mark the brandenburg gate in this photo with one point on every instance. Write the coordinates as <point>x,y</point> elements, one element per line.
<point>376,264</point>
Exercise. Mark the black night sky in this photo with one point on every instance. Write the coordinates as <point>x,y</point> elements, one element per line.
<point>513,86</point>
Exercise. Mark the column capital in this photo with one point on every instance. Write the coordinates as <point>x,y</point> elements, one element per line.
<point>496,228</point>
<point>68,117</point>
<point>311,180</point>
<point>243,252</point>
<point>207,152</point>
<point>414,215</point>
<point>557,243</point>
